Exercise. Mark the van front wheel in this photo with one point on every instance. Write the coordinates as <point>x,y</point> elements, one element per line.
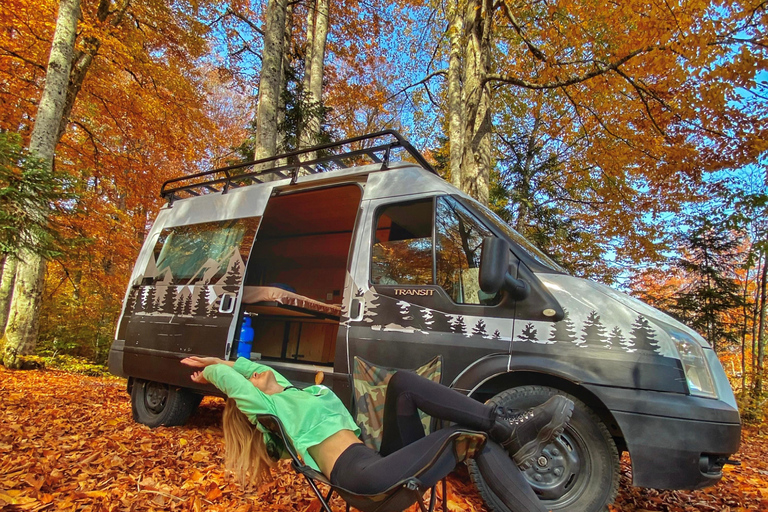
<point>578,471</point>
<point>155,403</point>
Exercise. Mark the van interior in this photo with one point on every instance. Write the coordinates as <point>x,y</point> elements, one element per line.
<point>295,275</point>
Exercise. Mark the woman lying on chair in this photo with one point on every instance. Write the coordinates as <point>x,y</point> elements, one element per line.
<point>325,434</point>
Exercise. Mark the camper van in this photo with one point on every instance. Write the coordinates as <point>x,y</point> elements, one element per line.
<point>363,253</point>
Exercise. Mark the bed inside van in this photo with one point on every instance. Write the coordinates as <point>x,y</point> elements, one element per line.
<point>296,272</point>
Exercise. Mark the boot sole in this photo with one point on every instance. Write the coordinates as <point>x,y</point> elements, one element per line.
<point>526,456</point>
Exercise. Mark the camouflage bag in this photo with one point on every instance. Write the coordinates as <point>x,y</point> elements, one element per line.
<point>370,384</point>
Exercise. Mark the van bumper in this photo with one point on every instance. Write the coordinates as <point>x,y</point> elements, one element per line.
<point>675,441</point>
<point>115,360</point>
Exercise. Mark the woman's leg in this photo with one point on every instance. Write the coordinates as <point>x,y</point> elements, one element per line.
<point>522,436</point>
<point>363,471</point>
<point>408,392</point>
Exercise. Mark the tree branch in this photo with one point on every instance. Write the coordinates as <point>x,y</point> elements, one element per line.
<point>601,69</point>
<point>515,25</point>
<point>244,19</point>
<point>440,72</point>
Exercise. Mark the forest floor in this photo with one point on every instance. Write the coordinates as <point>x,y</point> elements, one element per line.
<point>67,442</point>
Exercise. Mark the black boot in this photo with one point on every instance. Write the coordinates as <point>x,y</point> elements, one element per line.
<point>524,434</point>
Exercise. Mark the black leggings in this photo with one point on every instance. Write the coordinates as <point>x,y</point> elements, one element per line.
<point>405,449</point>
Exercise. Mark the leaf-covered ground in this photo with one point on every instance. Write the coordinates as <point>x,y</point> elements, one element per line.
<point>67,442</point>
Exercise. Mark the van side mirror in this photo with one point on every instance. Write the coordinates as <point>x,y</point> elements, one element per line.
<point>494,270</point>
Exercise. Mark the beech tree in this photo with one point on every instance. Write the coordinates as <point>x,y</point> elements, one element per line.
<point>133,116</point>
<point>22,325</point>
<point>608,96</point>
<point>318,21</point>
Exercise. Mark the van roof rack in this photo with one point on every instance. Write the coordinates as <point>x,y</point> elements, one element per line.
<point>289,164</point>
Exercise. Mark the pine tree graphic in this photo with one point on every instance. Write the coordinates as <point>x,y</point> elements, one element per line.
<point>370,309</point>
<point>593,331</point>
<point>133,301</point>
<point>529,334</point>
<point>427,318</point>
<point>405,312</point>
<point>442,322</point>
<point>458,326</point>
<point>169,299</point>
<point>643,335</point>
<point>617,339</point>
<point>186,305</point>
<point>496,335</point>
<point>149,300</point>
<point>564,330</point>
<point>161,294</point>
<point>213,307</point>
<point>201,303</point>
<point>479,329</point>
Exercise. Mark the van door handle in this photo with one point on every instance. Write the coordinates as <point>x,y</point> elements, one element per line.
<point>355,309</point>
<point>227,304</point>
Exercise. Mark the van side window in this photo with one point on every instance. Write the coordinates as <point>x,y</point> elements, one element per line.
<point>402,249</point>
<point>459,239</point>
<point>204,253</point>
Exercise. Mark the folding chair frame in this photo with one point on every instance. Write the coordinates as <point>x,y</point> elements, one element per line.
<point>410,490</point>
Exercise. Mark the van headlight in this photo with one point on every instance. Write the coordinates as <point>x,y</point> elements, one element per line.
<point>695,366</point>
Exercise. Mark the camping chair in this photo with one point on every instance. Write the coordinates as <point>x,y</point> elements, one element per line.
<point>370,383</point>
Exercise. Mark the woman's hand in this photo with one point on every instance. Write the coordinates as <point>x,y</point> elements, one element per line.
<point>200,362</point>
<point>199,378</point>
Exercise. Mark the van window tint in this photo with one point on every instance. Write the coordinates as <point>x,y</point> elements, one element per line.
<point>402,249</point>
<point>204,253</point>
<point>459,238</point>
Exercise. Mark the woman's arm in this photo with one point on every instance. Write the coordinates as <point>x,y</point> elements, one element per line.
<point>202,362</point>
<point>250,400</point>
<point>243,366</point>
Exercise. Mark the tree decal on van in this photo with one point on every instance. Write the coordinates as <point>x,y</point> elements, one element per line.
<point>148,301</point>
<point>201,303</point>
<point>564,330</point>
<point>616,339</point>
<point>594,332</point>
<point>643,336</point>
<point>441,322</point>
<point>479,329</point>
<point>458,326</point>
<point>529,334</point>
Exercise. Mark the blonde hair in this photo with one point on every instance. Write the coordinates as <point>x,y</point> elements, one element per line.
<point>245,452</point>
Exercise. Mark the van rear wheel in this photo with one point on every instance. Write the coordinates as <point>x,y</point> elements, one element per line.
<point>578,471</point>
<point>154,403</point>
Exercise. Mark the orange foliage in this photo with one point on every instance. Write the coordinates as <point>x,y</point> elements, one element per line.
<point>141,117</point>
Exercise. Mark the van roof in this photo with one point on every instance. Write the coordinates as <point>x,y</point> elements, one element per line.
<point>367,153</point>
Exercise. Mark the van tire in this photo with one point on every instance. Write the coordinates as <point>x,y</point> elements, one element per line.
<point>589,475</point>
<point>154,403</point>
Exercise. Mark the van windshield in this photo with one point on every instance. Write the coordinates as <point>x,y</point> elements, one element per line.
<point>533,251</point>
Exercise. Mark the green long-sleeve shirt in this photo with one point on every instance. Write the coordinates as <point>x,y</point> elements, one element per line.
<point>309,416</point>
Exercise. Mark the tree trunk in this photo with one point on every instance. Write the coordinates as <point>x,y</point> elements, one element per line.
<point>761,328</point>
<point>7,278</point>
<point>269,82</point>
<point>313,74</point>
<point>23,319</point>
<point>455,124</point>
<point>476,158</point>
<point>744,327</point>
<point>284,70</point>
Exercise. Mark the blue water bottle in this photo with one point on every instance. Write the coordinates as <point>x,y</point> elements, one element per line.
<point>246,339</point>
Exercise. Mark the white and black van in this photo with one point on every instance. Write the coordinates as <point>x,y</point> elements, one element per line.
<point>352,254</point>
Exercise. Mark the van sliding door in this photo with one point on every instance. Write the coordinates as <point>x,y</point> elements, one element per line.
<point>185,300</point>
